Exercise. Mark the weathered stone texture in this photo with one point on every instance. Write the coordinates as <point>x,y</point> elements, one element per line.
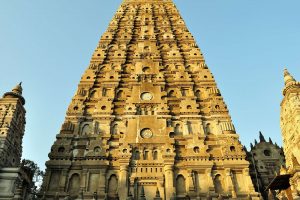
<point>266,159</point>
<point>147,120</point>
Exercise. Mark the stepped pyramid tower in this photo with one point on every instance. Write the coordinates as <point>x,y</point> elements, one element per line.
<point>147,120</point>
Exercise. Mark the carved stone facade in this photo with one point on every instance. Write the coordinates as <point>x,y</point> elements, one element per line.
<point>266,159</point>
<point>147,120</point>
<point>290,128</point>
<point>12,127</point>
<point>14,180</point>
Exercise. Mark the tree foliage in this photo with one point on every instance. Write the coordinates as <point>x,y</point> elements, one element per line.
<point>36,173</point>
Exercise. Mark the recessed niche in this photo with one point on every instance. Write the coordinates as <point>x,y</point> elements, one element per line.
<point>61,149</point>
<point>196,149</point>
<point>267,152</point>
<point>232,149</point>
<point>97,149</point>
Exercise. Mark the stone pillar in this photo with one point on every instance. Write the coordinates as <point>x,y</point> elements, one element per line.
<point>169,181</point>
<point>46,181</point>
<point>123,180</point>
<point>229,182</point>
<point>160,186</point>
<point>102,181</point>
<point>150,154</point>
<point>63,180</point>
<point>191,182</point>
<point>185,128</point>
<point>83,180</point>
<point>248,181</point>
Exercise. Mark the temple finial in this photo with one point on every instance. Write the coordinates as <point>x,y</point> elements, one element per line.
<point>18,89</point>
<point>16,92</point>
<point>288,78</point>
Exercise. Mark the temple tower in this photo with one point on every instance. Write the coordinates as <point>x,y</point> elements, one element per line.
<point>15,179</point>
<point>12,127</point>
<point>266,158</point>
<point>148,120</point>
<point>290,128</point>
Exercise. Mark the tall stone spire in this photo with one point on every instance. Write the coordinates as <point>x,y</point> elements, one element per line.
<point>16,179</point>
<point>290,128</point>
<point>147,113</point>
<point>12,127</point>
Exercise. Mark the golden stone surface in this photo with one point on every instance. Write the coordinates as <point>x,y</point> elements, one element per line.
<point>147,120</point>
<point>290,128</point>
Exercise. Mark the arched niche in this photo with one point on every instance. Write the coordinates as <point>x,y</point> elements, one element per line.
<point>85,129</point>
<point>93,94</point>
<point>120,94</point>
<point>180,186</point>
<point>155,155</point>
<point>198,94</point>
<point>208,129</point>
<point>218,183</point>
<point>112,189</point>
<point>171,93</point>
<point>178,129</point>
<point>74,184</point>
<point>146,154</point>
<point>114,129</point>
<point>146,69</point>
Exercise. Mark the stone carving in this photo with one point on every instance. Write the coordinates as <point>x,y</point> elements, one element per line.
<point>290,128</point>
<point>161,120</point>
<point>16,180</point>
<point>266,159</point>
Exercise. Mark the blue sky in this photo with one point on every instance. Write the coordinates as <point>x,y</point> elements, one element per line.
<point>48,45</point>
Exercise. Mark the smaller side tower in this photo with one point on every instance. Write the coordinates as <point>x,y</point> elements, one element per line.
<point>266,159</point>
<point>15,180</point>
<point>290,128</point>
<point>12,127</point>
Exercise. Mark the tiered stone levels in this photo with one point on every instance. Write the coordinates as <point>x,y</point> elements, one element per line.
<point>290,128</point>
<point>147,118</point>
<point>12,127</point>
